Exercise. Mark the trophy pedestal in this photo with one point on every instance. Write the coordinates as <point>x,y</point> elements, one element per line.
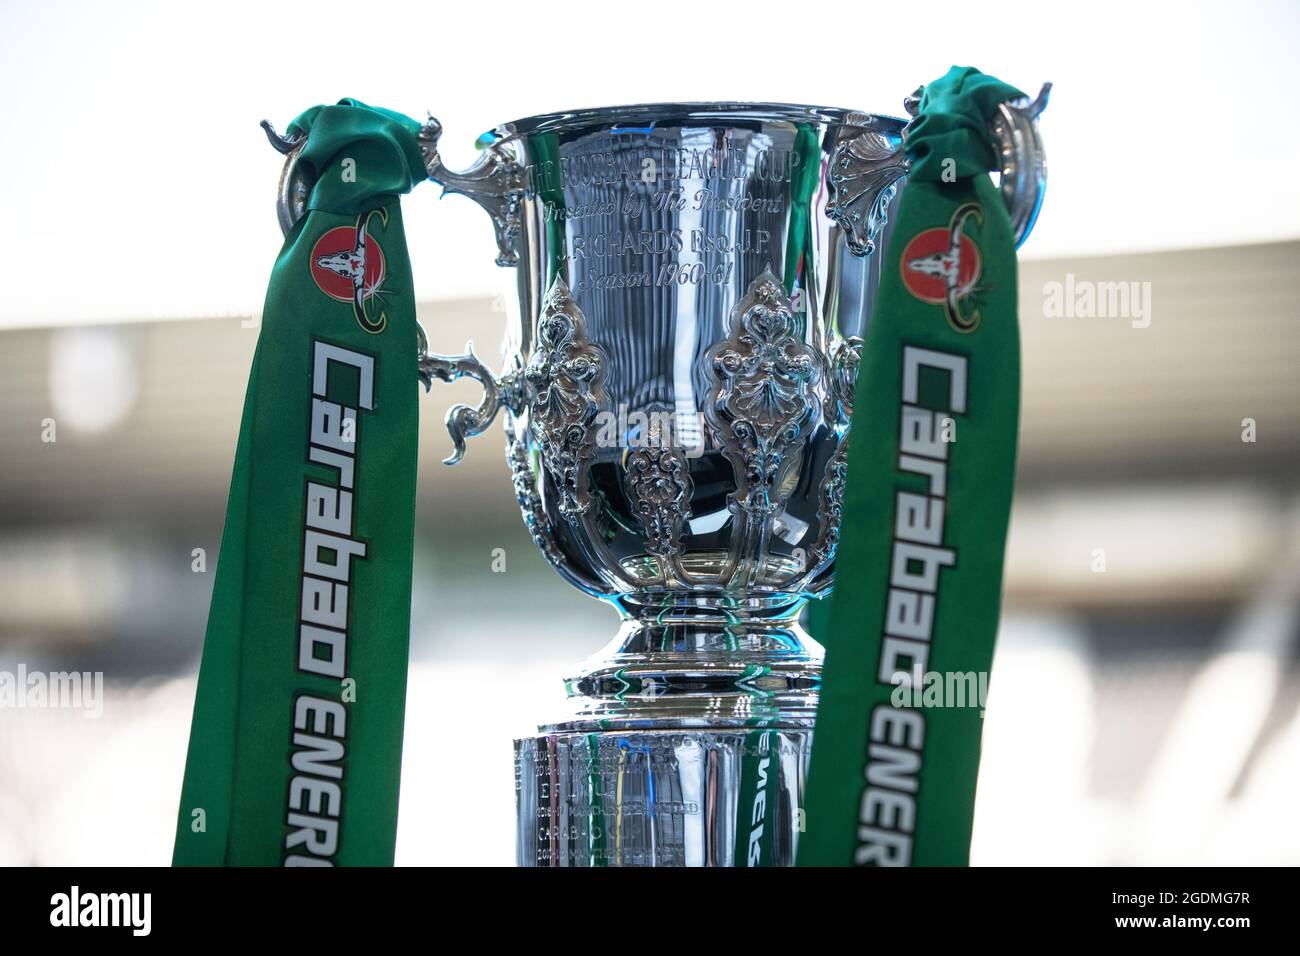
<point>661,797</point>
<point>690,747</point>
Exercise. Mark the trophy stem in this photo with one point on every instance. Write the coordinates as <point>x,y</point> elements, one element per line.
<point>698,667</point>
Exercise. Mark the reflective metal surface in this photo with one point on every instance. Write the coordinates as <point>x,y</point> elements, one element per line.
<point>683,300</point>
<point>695,282</point>
<point>658,798</point>
<point>494,182</point>
<point>1022,162</point>
<point>291,195</point>
<point>688,326</point>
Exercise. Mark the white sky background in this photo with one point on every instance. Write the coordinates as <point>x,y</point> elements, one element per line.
<point>135,183</point>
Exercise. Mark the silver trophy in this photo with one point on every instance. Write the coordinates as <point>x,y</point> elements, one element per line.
<point>695,283</point>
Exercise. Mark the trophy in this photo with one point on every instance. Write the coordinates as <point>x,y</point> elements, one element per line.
<point>695,282</point>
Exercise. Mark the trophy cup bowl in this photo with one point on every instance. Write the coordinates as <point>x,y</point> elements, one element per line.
<point>695,282</point>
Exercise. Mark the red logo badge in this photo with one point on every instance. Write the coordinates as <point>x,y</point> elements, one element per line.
<point>347,264</point>
<point>942,267</point>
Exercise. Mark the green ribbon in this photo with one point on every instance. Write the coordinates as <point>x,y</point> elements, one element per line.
<point>756,807</point>
<point>296,741</point>
<point>930,472</point>
<point>952,122</point>
<point>760,779</point>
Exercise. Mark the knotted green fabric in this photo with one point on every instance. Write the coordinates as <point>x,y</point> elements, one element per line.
<point>953,122</point>
<point>381,143</point>
<point>295,745</point>
<point>930,471</point>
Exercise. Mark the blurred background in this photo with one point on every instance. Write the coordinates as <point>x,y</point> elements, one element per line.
<point>1145,701</point>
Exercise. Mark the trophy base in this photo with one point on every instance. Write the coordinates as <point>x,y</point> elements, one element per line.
<point>687,743</point>
<point>667,797</point>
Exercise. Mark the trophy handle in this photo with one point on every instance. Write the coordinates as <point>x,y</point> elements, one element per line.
<point>867,164</point>
<point>462,420</point>
<point>495,182</point>
<point>291,195</point>
<point>1023,163</point>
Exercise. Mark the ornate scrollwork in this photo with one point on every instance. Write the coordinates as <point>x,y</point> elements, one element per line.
<point>659,485</point>
<point>763,401</point>
<point>565,376</point>
<point>530,503</point>
<point>524,479</point>
<point>844,378</point>
<point>861,181</point>
<point>830,508</point>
